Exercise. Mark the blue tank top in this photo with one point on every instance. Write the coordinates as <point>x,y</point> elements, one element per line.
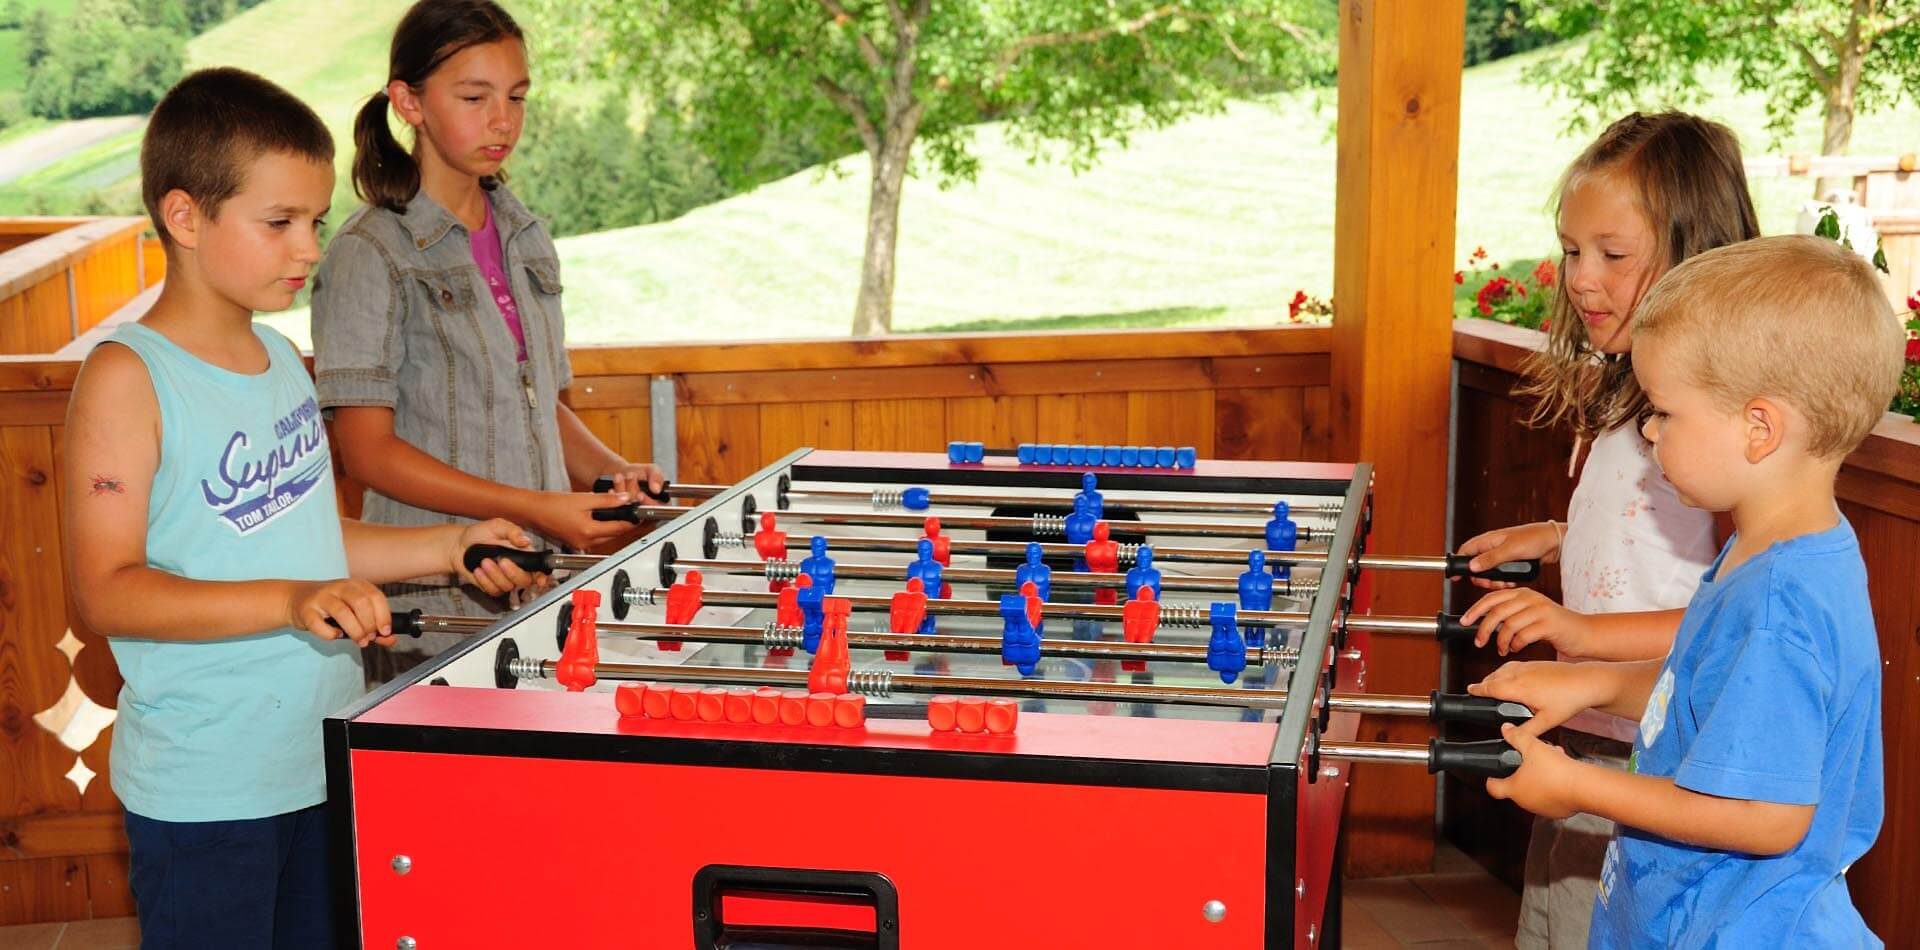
<point>230,729</point>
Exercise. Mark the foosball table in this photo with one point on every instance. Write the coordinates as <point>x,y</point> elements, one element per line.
<point>1046,697</point>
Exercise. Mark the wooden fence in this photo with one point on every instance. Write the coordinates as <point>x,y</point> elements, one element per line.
<point>1230,393</point>
<point>1505,474</point>
<point>59,277</point>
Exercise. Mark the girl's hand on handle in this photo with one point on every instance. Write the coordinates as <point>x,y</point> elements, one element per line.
<point>1556,692</point>
<point>1547,782</point>
<point>567,517</point>
<point>1540,539</point>
<point>636,479</point>
<point>357,609</point>
<point>496,577</point>
<point>1525,616</point>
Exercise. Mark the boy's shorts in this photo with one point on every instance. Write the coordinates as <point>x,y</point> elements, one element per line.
<point>260,882</point>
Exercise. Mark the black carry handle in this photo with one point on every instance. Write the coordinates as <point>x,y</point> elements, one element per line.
<point>532,561</point>
<point>1460,707</point>
<point>404,624</point>
<point>713,883</point>
<point>1489,758</point>
<point>604,484</point>
<point>1448,628</point>
<point>1514,571</point>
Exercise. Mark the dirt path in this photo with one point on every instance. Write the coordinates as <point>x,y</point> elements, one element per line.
<point>40,149</point>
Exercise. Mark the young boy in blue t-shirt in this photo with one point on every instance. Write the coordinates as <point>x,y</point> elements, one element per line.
<point>1756,777</point>
<point>204,541</point>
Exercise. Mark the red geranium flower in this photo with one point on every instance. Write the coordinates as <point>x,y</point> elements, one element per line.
<point>1913,351</point>
<point>1913,303</point>
<point>1459,277</point>
<point>1495,291</point>
<point>1479,253</point>
<point>1544,275</point>
<point>1299,300</point>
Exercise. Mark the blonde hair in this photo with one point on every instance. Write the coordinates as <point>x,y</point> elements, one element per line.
<point>1685,172</point>
<point>1797,318</point>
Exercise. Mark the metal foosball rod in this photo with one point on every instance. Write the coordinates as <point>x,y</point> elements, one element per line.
<point>886,499</point>
<point>779,570</point>
<point>1469,758</point>
<point>883,683</point>
<point>1451,565</point>
<point>1197,616</point>
<point>776,636</point>
<point>1041,525</point>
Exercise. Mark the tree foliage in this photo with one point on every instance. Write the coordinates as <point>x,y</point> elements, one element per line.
<point>1843,56</point>
<point>907,81</point>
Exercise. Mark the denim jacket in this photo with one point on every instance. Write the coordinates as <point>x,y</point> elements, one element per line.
<point>402,318</point>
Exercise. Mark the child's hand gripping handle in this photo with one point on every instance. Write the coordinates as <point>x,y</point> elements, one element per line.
<point>1510,571</point>
<point>1491,758</point>
<point>533,562</point>
<point>404,624</point>
<point>665,496</point>
<point>1448,629</point>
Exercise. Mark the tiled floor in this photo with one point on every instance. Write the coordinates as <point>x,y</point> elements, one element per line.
<point>120,933</point>
<point>1457,907</point>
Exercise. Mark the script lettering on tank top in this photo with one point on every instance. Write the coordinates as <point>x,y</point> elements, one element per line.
<point>252,491</point>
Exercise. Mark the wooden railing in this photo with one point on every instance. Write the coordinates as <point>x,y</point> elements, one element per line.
<point>59,277</point>
<point>1506,474</point>
<point>1259,393</point>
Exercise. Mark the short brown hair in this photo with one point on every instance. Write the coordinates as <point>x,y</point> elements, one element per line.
<point>1692,188</point>
<point>1797,318</point>
<point>207,129</point>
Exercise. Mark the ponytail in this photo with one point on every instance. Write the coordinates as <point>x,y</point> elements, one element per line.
<point>384,174</point>
<point>431,31</point>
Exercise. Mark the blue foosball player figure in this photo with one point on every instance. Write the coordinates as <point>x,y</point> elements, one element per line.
<point>1036,571</point>
<point>1144,574</point>
<point>819,566</point>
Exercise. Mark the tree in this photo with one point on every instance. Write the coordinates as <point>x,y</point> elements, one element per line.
<point>104,60</point>
<point>865,76</point>
<point>1844,55</point>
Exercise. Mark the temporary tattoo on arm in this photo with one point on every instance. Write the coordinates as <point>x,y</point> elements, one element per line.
<point>107,485</point>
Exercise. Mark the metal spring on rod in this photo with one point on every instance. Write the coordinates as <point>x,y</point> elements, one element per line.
<point>1185,615</point>
<point>1049,526</point>
<point>1276,654</point>
<point>525,668</point>
<point>1129,553</point>
<point>876,683</point>
<point>884,498</point>
<point>775,635</point>
<point>778,570</point>
<point>643,596</point>
<point>729,539</point>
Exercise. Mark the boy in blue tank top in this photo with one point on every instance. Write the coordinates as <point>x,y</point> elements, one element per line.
<point>204,539</point>
<point>1755,780</point>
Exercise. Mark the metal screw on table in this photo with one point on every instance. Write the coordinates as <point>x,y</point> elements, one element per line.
<point>1213,911</point>
<point>1329,771</point>
<point>404,943</point>
<point>1300,889</point>
<point>402,864</point>
<point>1313,933</point>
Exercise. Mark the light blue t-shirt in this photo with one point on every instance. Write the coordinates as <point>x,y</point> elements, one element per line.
<point>1771,693</point>
<point>230,729</point>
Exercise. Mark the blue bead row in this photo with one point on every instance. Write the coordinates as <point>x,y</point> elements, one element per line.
<point>1111,456</point>
<point>966,453</point>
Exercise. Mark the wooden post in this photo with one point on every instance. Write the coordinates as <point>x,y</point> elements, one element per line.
<point>1399,147</point>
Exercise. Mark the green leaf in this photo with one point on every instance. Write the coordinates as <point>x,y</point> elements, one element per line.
<point>1880,259</point>
<point>1829,226</point>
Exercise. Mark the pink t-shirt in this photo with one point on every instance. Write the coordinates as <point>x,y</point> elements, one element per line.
<point>492,262</point>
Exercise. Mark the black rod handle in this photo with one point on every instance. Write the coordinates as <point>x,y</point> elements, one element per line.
<point>626,513</point>
<point>1448,628</point>
<point>1514,571</point>
<point>1488,758</point>
<point>604,484</point>
<point>1486,710</point>
<point>532,561</point>
<point>404,624</point>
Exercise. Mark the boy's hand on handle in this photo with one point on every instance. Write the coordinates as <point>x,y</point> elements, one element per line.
<point>1546,781</point>
<point>1521,616</point>
<point>1519,543</point>
<point>636,479</point>
<point>1556,692</point>
<point>357,609</point>
<point>567,517</point>
<point>498,577</point>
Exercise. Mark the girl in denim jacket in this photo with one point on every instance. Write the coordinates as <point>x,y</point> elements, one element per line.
<point>439,344</point>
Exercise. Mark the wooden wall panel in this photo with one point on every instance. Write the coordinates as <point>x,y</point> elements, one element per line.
<point>36,320</point>
<point>1259,423</point>
<point>1098,419</point>
<point>903,425</point>
<point>43,889</point>
<point>105,279</point>
<point>785,426</point>
<point>1172,418</point>
<point>718,444</point>
<point>998,421</point>
<point>1884,882</point>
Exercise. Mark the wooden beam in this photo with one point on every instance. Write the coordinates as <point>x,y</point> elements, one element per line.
<point>1397,178</point>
